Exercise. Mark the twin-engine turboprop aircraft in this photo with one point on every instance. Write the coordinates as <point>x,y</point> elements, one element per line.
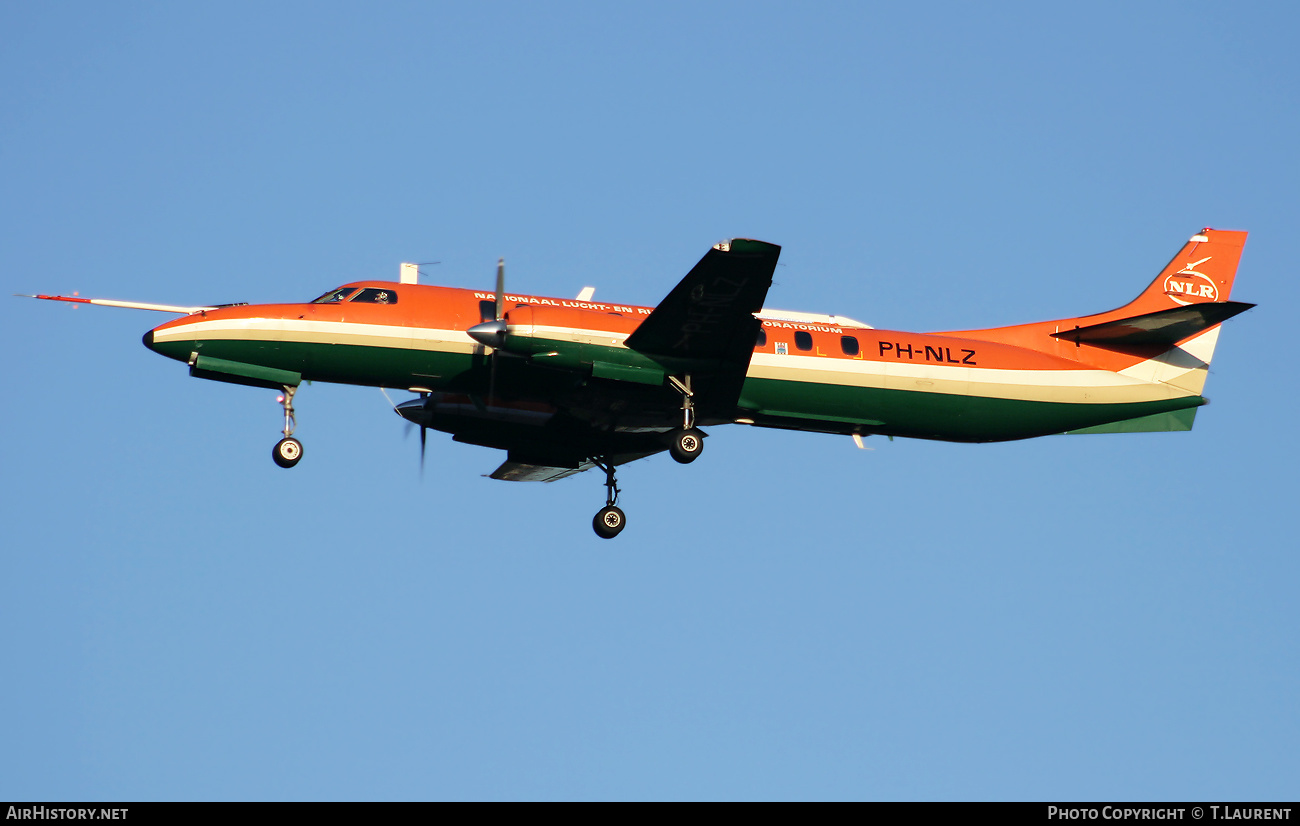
<point>564,385</point>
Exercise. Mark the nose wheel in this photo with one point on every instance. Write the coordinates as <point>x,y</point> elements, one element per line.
<point>288,450</point>
<point>609,520</point>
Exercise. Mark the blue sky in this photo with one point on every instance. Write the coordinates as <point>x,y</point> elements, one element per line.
<point>1105,617</point>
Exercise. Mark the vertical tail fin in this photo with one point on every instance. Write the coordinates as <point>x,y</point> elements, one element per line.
<point>1167,334</point>
<point>1201,272</point>
<point>1175,322</point>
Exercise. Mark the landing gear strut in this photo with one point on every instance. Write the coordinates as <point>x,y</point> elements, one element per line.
<point>610,520</point>
<point>288,450</point>
<point>687,442</point>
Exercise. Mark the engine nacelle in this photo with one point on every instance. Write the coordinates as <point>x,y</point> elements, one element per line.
<point>571,338</point>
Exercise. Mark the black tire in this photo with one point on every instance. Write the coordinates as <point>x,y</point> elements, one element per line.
<point>287,452</point>
<point>609,522</point>
<point>686,445</point>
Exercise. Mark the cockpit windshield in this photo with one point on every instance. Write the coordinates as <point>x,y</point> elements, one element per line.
<point>375,296</point>
<point>335,296</point>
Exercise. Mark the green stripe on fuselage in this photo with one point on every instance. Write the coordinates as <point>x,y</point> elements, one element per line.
<point>922,415</point>
<point>339,363</point>
<point>802,405</point>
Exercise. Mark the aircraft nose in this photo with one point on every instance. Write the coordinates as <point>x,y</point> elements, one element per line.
<point>165,347</point>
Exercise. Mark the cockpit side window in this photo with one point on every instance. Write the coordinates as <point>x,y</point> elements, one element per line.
<point>335,296</point>
<point>375,295</point>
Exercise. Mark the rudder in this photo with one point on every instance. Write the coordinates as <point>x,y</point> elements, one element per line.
<point>1202,272</point>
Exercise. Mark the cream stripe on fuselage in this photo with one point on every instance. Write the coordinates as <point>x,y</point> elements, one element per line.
<point>320,332</point>
<point>1087,386</point>
<point>1083,386</point>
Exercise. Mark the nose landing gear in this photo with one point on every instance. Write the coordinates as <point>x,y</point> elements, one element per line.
<point>609,520</point>
<point>288,450</point>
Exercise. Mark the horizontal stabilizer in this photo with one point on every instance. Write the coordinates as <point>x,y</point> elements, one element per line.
<point>1161,329</point>
<point>1159,422</point>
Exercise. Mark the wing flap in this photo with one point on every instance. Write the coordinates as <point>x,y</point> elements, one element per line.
<point>511,471</point>
<point>518,468</point>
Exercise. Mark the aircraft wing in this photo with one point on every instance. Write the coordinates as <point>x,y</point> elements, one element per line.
<point>513,470</point>
<point>710,314</point>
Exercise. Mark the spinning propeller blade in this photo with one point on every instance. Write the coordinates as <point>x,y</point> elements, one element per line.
<point>493,333</point>
<point>424,435</point>
<point>501,290</point>
<point>501,287</point>
<point>424,431</point>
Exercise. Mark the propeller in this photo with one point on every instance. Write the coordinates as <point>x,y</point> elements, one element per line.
<point>424,437</point>
<point>499,316</point>
<point>424,430</point>
<point>501,286</point>
<point>493,333</point>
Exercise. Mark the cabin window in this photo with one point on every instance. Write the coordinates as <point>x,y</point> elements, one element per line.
<point>487,311</point>
<point>762,338</point>
<point>335,296</point>
<point>375,295</point>
<point>803,340</point>
<point>849,345</point>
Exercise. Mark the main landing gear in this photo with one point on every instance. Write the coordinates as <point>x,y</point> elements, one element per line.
<point>686,443</point>
<point>609,520</point>
<point>288,450</point>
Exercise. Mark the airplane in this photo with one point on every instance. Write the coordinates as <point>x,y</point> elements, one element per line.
<point>567,385</point>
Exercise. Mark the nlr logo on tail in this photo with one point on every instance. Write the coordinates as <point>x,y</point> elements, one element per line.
<point>1198,287</point>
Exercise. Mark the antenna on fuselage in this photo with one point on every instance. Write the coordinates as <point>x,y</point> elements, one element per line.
<point>410,273</point>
